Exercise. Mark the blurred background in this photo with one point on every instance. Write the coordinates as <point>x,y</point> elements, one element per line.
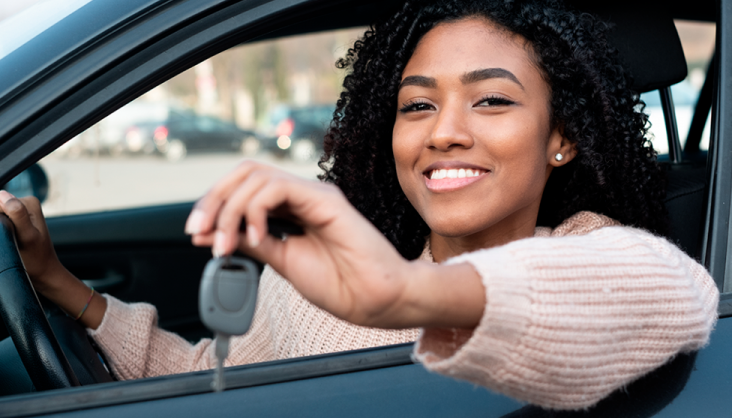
<point>271,101</point>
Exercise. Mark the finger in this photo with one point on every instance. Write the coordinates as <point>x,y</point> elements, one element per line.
<point>269,251</point>
<point>35,211</point>
<point>203,216</point>
<point>278,192</point>
<point>18,214</point>
<point>235,208</point>
<point>203,240</point>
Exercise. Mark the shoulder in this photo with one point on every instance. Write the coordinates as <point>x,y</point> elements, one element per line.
<point>594,226</point>
<point>582,223</point>
<point>591,230</point>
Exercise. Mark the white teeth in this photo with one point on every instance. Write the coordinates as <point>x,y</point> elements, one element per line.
<point>454,173</point>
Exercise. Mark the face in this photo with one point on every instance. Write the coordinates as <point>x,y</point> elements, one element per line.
<point>473,141</point>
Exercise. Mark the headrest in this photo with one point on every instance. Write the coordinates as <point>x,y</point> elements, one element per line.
<point>647,42</point>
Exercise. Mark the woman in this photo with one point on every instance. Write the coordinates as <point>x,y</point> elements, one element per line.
<point>496,138</point>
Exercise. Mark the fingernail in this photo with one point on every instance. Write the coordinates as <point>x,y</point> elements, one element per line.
<point>219,244</point>
<point>5,196</point>
<point>252,237</point>
<point>194,222</point>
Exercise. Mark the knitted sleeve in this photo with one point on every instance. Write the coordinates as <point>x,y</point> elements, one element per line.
<point>571,319</point>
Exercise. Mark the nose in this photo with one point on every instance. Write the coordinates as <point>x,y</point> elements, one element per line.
<point>450,129</point>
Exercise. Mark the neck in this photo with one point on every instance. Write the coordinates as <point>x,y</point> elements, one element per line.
<point>509,229</point>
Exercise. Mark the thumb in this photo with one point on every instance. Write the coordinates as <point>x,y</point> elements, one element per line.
<point>19,215</point>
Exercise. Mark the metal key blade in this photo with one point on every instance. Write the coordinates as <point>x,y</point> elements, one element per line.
<point>222,351</point>
<point>218,382</point>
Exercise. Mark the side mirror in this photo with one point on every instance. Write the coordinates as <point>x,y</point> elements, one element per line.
<point>31,182</point>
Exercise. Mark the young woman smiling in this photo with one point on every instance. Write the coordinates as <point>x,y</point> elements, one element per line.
<point>483,159</point>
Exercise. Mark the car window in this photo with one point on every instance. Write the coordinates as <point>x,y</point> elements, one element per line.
<point>697,40</point>
<point>271,101</point>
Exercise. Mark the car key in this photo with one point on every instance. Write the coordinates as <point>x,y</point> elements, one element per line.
<point>279,228</point>
<point>228,295</point>
<point>227,298</point>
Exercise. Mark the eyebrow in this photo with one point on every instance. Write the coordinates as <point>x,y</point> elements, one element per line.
<point>467,78</point>
<point>419,81</point>
<point>486,73</point>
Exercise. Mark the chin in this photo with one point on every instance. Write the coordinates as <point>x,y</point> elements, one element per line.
<point>455,229</point>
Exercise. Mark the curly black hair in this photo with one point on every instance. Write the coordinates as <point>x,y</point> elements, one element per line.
<point>615,172</point>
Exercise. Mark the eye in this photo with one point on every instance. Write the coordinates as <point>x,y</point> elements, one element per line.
<point>490,101</point>
<point>415,106</point>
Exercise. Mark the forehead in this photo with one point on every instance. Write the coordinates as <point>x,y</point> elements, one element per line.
<point>469,44</point>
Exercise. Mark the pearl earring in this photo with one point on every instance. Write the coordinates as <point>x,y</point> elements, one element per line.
<point>558,157</point>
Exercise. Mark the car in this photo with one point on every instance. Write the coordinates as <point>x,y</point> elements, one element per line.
<point>181,132</point>
<point>95,56</point>
<point>109,136</point>
<point>299,131</point>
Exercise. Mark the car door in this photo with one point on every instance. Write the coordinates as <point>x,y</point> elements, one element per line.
<point>141,253</point>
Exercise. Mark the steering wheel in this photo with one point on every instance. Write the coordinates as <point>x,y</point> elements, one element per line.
<point>36,344</point>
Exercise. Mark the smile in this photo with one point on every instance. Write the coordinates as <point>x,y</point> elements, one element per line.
<point>449,179</point>
<point>454,173</point>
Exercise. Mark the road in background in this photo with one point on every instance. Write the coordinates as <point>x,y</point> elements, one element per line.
<point>89,184</point>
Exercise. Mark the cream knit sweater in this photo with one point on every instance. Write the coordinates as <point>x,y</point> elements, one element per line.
<point>572,315</point>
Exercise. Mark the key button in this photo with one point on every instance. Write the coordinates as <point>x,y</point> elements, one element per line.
<point>230,292</point>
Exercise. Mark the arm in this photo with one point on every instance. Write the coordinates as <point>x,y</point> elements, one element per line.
<point>571,319</point>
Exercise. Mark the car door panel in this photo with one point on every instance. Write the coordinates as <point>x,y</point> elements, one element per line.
<point>383,382</point>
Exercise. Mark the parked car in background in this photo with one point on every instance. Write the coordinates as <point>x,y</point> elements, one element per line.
<point>184,132</point>
<point>110,135</point>
<point>299,131</point>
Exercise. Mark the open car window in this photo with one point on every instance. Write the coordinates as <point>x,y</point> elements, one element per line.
<point>271,101</point>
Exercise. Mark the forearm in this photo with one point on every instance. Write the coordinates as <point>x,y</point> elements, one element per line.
<point>443,296</point>
<point>71,294</point>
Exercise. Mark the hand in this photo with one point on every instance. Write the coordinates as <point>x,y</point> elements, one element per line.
<point>31,233</point>
<point>48,275</point>
<point>341,264</point>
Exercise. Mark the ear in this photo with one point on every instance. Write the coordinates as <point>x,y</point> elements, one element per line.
<point>560,145</point>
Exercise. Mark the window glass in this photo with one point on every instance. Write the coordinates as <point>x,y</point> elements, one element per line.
<point>271,101</point>
<point>697,40</point>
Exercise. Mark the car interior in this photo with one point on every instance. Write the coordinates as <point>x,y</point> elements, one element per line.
<point>142,254</point>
